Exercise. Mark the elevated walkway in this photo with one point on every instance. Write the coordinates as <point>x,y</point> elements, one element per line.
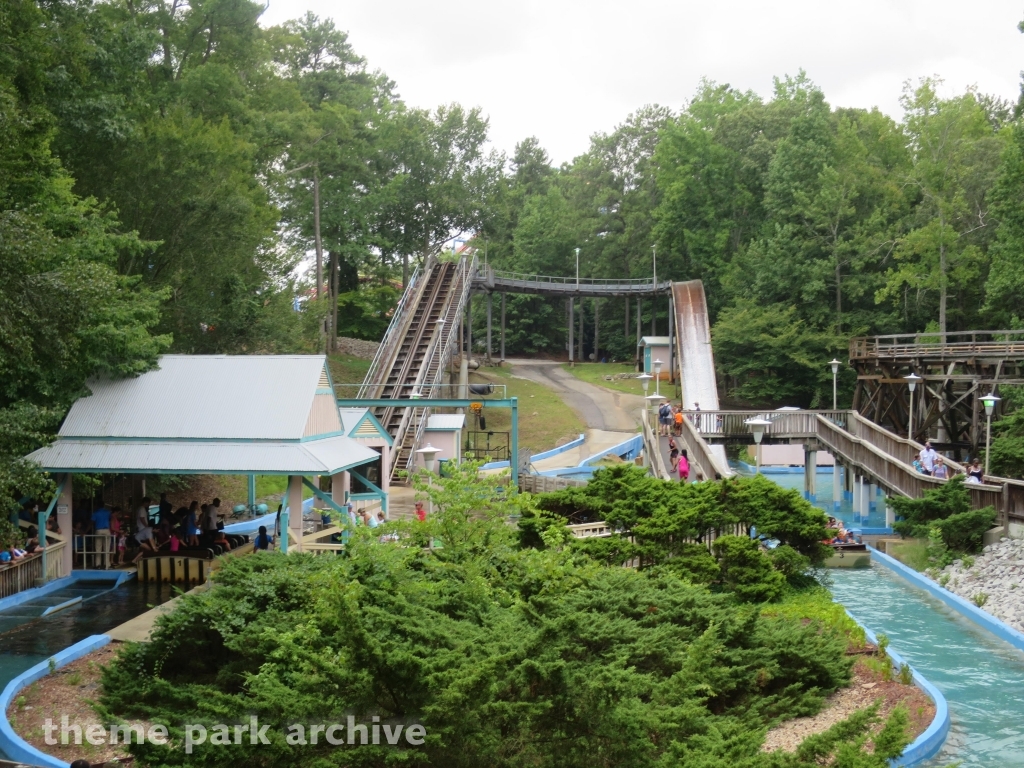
<point>490,280</point>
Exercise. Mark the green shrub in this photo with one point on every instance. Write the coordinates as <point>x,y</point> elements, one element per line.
<point>746,571</point>
<point>906,674</point>
<point>980,599</point>
<point>964,531</point>
<point>790,564</point>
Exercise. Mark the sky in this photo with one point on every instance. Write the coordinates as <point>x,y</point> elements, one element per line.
<point>562,71</point>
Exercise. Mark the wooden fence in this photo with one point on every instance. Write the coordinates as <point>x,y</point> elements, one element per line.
<point>28,572</point>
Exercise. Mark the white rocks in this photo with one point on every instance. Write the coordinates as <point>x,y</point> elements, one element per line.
<point>998,573</point>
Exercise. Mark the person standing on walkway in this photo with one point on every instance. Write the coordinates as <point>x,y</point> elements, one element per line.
<point>684,467</point>
<point>101,530</point>
<point>673,451</point>
<point>928,458</point>
<point>664,412</point>
<point>678,417</point>
<point>421,513</point>
<point>696,416</point>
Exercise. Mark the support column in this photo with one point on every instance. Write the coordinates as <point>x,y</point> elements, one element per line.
<point>579,341</point>
<point>849,476</point>
<point>810,476</point>
<point>671,339</point>
<point>469,326</point>
<point>64,512</point>
<point>654,314</point>
<point>294,513</point>
<point>252,491</point>
<point>857,484</point>
<point>837,483</point>
<point>503,327</point>
<point>639,310</point>
<point>890,516</point>
<point>865,507</point>
<point>340,485</point>
<point>488,355</point>
<point>514,444</point>
<point>572,326</point>
<point>872,495</point>
<point>625,325</point>
<point>597,331</point>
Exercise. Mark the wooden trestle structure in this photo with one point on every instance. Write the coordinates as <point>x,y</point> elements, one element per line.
<point>957,369</point>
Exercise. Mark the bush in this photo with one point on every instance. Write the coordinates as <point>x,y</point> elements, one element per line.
<point>746,571</point>
<point>964,532</point>
<point>790,564</point>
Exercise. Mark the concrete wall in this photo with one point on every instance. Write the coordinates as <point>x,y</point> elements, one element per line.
<point>447,442</point>
<point>788,455</point>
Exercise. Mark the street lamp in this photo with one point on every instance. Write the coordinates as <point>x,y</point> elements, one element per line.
<point>911,380</point>
<point>645,380</point>
<point>990,401</point>
<point>657,376</point>
<point>578,270</point>
<point>757,428</point>
<point>428,454</point>
<point>653,400</point>
<point>835,373</point>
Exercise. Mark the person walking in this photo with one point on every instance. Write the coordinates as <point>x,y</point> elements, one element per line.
<point>673,451</point>
<point>684,467</point>
<point>421,513</point>
<point>678,417</point>
<point>928,458</point>
<point>664,412</point>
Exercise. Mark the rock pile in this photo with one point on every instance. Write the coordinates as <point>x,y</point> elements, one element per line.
<point>993,580</point>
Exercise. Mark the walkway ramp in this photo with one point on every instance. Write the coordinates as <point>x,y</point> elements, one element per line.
<point>697,374</point>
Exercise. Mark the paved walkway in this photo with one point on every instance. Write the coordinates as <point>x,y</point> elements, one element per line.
<point>141,627</point>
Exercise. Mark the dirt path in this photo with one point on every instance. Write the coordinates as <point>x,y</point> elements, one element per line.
<point>598,407</point>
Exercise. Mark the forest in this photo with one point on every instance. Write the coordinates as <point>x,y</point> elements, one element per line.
<point>168,167</point>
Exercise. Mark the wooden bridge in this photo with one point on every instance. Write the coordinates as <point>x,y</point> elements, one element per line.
<point>956,369</point>
<point>870,453</point>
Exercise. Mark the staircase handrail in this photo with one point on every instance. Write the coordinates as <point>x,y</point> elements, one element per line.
<point>502,274</point>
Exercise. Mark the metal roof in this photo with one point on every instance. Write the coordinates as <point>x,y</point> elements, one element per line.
<point>654,341</point>
<point>445,421</point>
<point>312,457</point>
<point>361,423</point>
<point>244,397</point>
<point>350,418</point>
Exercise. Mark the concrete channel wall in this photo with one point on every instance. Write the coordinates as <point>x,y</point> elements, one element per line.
<point>11,743</point>
<point>931,740</point>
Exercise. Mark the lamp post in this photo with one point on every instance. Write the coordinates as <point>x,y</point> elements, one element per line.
<point>657,376</point>
<point>990,401</point>
<point>653,400</point>
<point>911,380</point>
<point>578,272</point>
<point>757,428</point>
<point>428,453</point>
<point>835,374</point>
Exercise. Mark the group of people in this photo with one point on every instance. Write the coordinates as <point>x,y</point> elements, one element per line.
<point>670,418</point>
<point>678,459</point>
<point>185,528</point>
<point>929,462</point>
<point>837,533</point>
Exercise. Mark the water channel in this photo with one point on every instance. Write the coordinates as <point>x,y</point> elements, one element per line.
<point>26,638</point>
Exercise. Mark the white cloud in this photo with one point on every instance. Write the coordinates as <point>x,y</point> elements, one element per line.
<point>563,70</point>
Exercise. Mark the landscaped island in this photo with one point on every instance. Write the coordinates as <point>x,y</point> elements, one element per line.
<point>518,646</point>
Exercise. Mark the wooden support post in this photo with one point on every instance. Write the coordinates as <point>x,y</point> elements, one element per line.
<point>502,328</point>
<point>294,513</point>
<point>64,522</point>
<point>469,326</point>
<point>572,303</point>
<point>625,327</point>
<point>639,303</point>
<point>579,341</point>
<point>810,474</point>
<point>597,331</point>
<point>488,354</point>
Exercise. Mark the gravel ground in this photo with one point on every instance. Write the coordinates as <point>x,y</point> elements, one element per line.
<point>865,689</point>
<point>994,580</point>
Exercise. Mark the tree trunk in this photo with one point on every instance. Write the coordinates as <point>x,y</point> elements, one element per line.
<point>335,269</point>
<point>625,332</point>
<point>839,298</point>
<point>942,279</point>
<point>579,342</point>
<point>597,332</point>
<point>316,232</point>
<point>405,270</point>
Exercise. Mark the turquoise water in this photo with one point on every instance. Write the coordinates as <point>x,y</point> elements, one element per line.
<point>981,677</point>
<point>823,498</point>
<point>26,639</point>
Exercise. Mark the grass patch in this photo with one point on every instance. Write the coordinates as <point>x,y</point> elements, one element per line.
<point>347,369</point>
<point>912,553</point>
<point>594,373</point>
<point>816,604</point>
<point>544,420</point>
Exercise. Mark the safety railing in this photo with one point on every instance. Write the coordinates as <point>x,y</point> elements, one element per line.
<point>899,447</point>
<point>27,572</point>
<point>733,424</point>
<point>637,285</point>
<point>396,329</point>
<point>93,551</point>
<point>955,343</point>
<point>543,484</point>
<point>704,464</point>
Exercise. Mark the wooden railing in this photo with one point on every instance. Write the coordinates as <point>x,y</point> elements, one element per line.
<point>704,465</point>
<point>902,448</point>
<point>955,344</point>
<point>544,484</point>
<point>652,447</point>
<point>733,424</point>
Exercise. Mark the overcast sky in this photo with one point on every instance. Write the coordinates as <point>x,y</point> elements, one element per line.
<point>563,70</point>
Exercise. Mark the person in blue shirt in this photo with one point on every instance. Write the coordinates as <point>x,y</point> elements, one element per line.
<point>101,530</point>
<point>262,539</point>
